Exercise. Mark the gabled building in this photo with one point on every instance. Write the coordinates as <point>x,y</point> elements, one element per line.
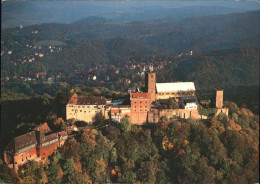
<point>85,108</point>
<point>35,145</point>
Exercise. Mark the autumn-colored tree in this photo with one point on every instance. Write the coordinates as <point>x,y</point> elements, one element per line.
<point>59,124</point>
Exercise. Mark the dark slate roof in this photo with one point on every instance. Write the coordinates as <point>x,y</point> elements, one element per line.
<point>189,99</point>
<point>50,137</point>
<point>80,100</point>
<point>91,101</point>
<point>121,106</point>
<point>24,140</point>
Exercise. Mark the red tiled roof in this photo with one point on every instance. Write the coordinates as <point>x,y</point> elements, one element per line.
<point>140,95</point>
<point>44,128</point>
<point>114,110</point>
<point>121,106</point>
<point>73,99</point>
<point>62,133</point>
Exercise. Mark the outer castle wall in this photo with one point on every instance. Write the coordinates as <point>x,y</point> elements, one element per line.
<point>155,114</point>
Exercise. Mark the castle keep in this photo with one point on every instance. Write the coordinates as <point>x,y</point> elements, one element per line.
<point>146,106</point>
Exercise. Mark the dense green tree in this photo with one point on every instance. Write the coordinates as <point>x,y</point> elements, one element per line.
<point>68,166</point>
<point>125,124</point>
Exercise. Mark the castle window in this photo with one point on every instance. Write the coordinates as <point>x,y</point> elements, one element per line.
<point>83,106</point>
<point>22,159</point>
<point>167,93</point>
<point>135,102</point>
<point>140,101</point>
<point>72,110</point>
<point>85,111</point>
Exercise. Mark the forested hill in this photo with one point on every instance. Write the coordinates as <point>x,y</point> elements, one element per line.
<point>95,41</point>
<point>212,32</point>
<point>222,68</point>
<point>198,33</point>
<point>217,150</point>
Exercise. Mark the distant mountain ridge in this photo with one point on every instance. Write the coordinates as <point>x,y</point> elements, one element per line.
<point>92,21</point>
<point>209,33</point>
<point>27,13</point>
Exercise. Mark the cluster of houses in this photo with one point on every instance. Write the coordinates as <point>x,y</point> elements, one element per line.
<point>38,52</point>
<point>112,72</point>
<point>109,71</point>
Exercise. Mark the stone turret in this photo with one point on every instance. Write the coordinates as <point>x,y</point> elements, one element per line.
<point>150,80</point>
<point>219,98</point>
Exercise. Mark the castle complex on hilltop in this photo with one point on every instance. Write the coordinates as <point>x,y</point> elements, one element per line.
<point>144,106</point>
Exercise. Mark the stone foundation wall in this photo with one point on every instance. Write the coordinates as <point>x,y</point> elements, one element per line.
<point>22,158</point>
<point>138,117</point>
<point>154,115</point>
<point>223,110</point>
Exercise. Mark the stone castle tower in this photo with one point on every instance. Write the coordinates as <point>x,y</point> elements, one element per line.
<point>219,99</point>
<point>150,80</point>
